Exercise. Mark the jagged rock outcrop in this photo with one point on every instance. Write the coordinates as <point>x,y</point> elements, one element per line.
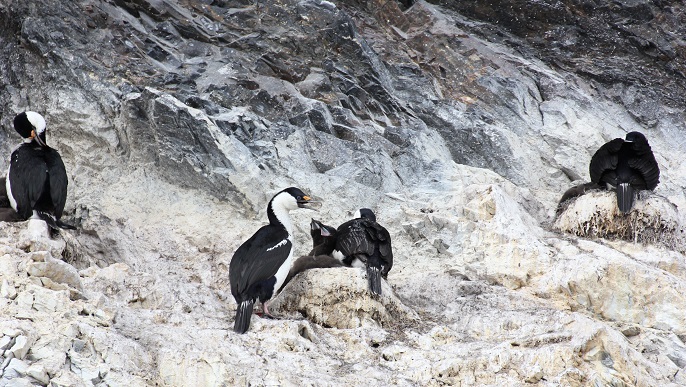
<point>461,124</point>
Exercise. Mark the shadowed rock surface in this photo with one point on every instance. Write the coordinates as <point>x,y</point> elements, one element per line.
<point>460,124</point>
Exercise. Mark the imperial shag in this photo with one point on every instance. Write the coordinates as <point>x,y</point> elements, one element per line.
<point>36,182</point>
<point>323,238</point>
<point>323,241</point>
<point>259,267</point>
<point>626,165</point>
<point>362,242</point>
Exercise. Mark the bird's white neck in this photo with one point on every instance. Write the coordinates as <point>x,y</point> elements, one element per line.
<point>284,218</point>
<point>280,207</point>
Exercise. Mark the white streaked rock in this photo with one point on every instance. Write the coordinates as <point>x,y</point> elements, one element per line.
<point>21,347</point>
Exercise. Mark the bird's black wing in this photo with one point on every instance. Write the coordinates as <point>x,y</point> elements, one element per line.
<point>4,199</point>
<point>258,258</point>
<point>27,174</point>
<point>58,180</point>
<point>382,238</point>
<point>352,238</point>
<point>644,162</point>
<point>604,160</point>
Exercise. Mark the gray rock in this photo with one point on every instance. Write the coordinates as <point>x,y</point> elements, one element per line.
<point>56,270</point>
<point>460,123</point>
<point>37,372</point>
<point>7,290</point>
<point>5,342</point>
<point>18,366</point>
<point>21,347</point>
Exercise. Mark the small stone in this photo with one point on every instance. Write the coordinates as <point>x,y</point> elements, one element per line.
<point>58,271</point>
<point>38,372</point>
<point>19,382</point>
<point>5,342</point>
<point>21,347</point>
<point>631,331</point>
<point>66,379</point>
<point>39,256</point>
<point>11,332</point>
<point>18,365</point>
<point>535,375</point>
<point>8,358</point>
<point>7,290</point>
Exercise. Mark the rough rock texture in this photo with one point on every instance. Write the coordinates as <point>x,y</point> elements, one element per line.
<point>654,220</point>
<point>460,123</point>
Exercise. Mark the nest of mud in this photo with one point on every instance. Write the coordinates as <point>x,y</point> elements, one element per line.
<point>653,220</point>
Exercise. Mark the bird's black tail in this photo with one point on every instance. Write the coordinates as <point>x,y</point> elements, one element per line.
<point>53,222</point>
<point>243,314</point>
<point>625,197</point>
<point>374,279</point>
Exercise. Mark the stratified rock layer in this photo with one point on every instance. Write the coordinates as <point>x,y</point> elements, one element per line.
<point>459,123</point>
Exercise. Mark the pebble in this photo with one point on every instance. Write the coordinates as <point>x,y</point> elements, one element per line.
<point>7,290</point>
<point>5,342</point>
<point>11,332</point>
<point>18,365</point>
<point>20,347</point>
<point>38,372</point>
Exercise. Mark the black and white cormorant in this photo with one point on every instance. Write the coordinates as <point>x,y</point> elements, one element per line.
<point>259,267</point>
<point>323,238</point>
<point>323,244</point>
<point>626,165</point>
<point>36,182</point>
<point>362,242</point>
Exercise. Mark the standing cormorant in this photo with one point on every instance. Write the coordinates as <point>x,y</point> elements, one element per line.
<point>260,265</point>
<point>36,182</point>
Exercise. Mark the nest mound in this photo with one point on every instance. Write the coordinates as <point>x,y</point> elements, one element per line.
<point>338,297</point>
<point>653,220</point>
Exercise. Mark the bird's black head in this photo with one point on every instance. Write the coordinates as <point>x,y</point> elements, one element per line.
<point>636,137</point>
<point>365,213</point>
<point>301,199</point>
<point>323,238</point>
<point>31,126</point>
<point>315,226</point>
<point>319,228</point>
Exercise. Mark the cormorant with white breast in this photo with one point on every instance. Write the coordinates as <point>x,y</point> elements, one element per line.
<point>626,165</point>
<point>36,180</point>
<point>260,265</point>
<point>362,242</point>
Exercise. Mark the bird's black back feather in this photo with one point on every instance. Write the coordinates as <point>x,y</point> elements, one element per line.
<point>604,162</point>
<point>368,241</point>
<point>38,180</point>
<point>257,260</point>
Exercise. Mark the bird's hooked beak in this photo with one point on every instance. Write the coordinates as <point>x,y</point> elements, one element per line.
<point>309,202</point>
<point>36,137</point>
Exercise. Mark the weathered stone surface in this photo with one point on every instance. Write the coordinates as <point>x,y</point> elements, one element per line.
<point>342,300</point>
<point>38,373</point>
<point>21,347</point>
<point>653,219</point>
<point>56,270</point>
<point>459,123</point>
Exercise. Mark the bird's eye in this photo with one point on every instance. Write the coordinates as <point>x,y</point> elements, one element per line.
<point>299,198</point>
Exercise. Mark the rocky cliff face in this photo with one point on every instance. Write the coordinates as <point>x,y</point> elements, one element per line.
<point>460,123</point>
